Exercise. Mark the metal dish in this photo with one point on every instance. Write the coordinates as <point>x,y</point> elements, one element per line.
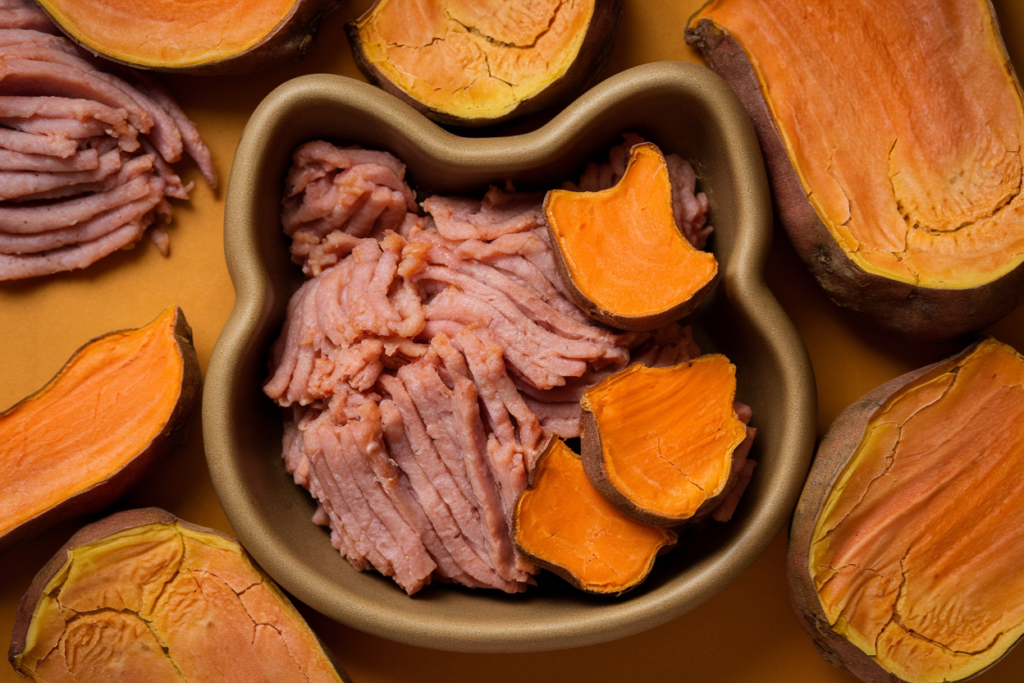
<point>684,109</point>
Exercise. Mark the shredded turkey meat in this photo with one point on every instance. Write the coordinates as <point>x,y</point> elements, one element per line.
<point>429,357</point>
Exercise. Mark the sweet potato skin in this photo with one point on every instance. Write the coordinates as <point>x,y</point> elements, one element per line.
<point>836,449</point>
<point>117,483</point>
<point>584,72</point>
<point>918,313</point>
<point>287,42</point>
<point>113,524</point>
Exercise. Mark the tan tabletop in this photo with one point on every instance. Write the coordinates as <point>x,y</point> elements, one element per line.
<point>747,633</point>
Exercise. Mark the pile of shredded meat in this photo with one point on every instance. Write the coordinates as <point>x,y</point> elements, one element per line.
<point>85,149</point>
<point>429,356</point>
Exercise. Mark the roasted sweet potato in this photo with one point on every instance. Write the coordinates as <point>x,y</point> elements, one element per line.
<point>565,526</point>
<point>658,442</point>
<point>145,596</point>
<point>212,37</point>
<point>906,556</point>
<point>473,63</point>
<point>620,252</point>
<point>119,405</point>
<point>895,164</point>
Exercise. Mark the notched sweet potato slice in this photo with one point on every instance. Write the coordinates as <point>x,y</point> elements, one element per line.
<point>906,558</point>
<point>119,405</point>
<point>473,62</point>
<point>659,442</point>
<point>212,36</point>
<point>144,596</point>
<point>620,252</point>
<point>565,526</point>
<point>896,166</point>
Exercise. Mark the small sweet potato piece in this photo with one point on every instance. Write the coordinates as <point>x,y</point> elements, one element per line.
<point>620,252</point>
<point>119,405</point>
<point>562,524</point>
<point>475,63</point>
<point>906,555</point>
<point>212,37</point>
<point>896,166</point>
<point>142,595</point>
<point>659,442</point>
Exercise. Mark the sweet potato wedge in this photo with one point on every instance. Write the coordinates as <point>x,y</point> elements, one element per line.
<point>118,406</point>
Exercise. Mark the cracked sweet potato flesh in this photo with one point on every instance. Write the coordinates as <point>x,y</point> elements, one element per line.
<point>915,552</point>
<point>620,251</point>
<point>474,62</point>
<point>143,596</point>
<point>659,442</point>
<point>211,36</point>
<point>892,132</point>
<point>119,405</point>
<point>564,525</point>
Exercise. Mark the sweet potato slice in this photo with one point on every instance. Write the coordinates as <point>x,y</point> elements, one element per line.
<point>211,37</point>
<point>119,405</point>
<point>473,63</point>
<point>659,442</point>
<point>144,596</point>
<point>620,252</point>
<point>896,166</point>
<point>906,557</point>
<point>565,526</point>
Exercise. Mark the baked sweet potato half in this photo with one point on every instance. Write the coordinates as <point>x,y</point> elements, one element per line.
<point>892,134</point>
<point>211,37</point>
<point>473,63</point>
<point>906,554</point>
<point>145,596</point>
<point>117,407</point>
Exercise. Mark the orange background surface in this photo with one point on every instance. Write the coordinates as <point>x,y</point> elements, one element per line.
<point>746,633</point>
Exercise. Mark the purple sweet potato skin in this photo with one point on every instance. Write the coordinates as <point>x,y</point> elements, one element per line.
<point>118,483</point>
<point>918,313</point>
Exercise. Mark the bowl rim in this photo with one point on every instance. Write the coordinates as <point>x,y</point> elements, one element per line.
<point>746,284</point>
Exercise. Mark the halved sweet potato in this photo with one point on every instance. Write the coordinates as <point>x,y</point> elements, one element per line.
<point>620,252</point>
<point>895,164</point>
<point>906,556</point>
<point>119,405</point>
<point>209,37</point>
<point>145,596</point>
<point>658,442</point>
<point>562,524</point>
<point>474,63</point>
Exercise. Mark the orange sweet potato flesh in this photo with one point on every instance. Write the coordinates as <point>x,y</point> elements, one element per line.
<point>476,62</point>
<point>626,262</point>
<point>564,525</point>
<point>892,132</point>
<point>659,442</point>
<point>144,596</point>
<point>907,552</point>
<point>209,36</point>
<point>120,404</point>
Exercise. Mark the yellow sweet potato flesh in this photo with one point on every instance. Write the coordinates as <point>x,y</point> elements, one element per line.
<point>470,59</point>
<point>162,602</point>
<point>918,553</point>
